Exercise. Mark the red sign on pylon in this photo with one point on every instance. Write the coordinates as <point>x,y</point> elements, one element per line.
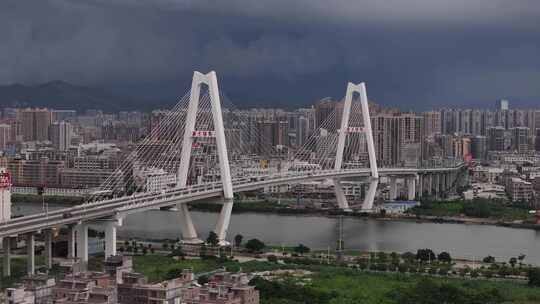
<point>5,180</point>
<point>203,134</point>
<point>355,129</point>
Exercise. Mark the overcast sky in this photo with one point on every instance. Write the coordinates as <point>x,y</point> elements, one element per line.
<point>414,54</point>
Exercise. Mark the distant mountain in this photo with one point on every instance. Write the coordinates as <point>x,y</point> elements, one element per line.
<point>62,95</point>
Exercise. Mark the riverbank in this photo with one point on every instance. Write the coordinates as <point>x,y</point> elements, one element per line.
<point>426,217</point>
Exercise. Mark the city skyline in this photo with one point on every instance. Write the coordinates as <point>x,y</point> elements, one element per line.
<point>261,152</point>
<point>436,54</point>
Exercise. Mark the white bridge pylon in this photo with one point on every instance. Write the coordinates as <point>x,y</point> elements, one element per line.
<point>189,234</point>
<point>343,131</point>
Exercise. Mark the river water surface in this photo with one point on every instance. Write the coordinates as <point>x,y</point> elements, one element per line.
<point>461,240</point>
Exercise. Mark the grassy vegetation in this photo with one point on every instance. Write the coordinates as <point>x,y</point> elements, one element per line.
<point>480,208</point>
<point>358,287</point>
<point>330,285</point>
<point>18,270</point>
<point>155,267</point>
<point>333,285</point>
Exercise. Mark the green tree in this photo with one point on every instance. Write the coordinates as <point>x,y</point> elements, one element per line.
<point>212,239</point>
<point>512,262</point>
<point>408,256</point>
<point>173,273</point>
<point>534,277</point>
<point>255,245</point>
<point>238,240</point>
<point>425,255</point>
<point>301,249</point>
<point>444,257</point>
<point>488,259</point>
<point>382,257</point>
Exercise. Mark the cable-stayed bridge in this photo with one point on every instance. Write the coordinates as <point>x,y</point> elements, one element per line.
<point>204,148</point>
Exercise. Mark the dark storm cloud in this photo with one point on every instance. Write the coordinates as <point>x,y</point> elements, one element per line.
<point>413,54</point>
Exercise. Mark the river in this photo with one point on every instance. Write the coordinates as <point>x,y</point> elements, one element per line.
<point>461,240</point>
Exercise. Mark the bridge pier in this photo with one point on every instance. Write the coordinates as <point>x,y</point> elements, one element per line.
<point>71,241</point>
<point>48,248</point>
<point>189,234</point>
<point>370,194</point>
<point>444,176</point>
<point>82,243</point>
<point>437,185</point>
<point>430,184</point>
<point>340,195</point>
<point>223,221</point>
<point>110,238</point>
<point>420,188</point>
<point>30,254</point>
<point>411,187</point>
<point>6,265</point>
<point>393,188</point>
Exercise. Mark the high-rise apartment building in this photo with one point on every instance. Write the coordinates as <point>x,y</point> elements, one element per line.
<point>520,139</point>
<point>432,123</point>
<point>35,124</point>
<point>5,136</point>
<point>503,105</point>
<point>60,134</point>
<point>392,133</point>
<point>479,147</point>
<point>537,140</point>
<point>66,115</point>
<point>328,114</point>
<point>496,141</point>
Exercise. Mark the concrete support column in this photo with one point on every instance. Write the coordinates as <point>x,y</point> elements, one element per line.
<point>420,187</point>
<point>6,245</point>
<point>48,248</point>
<point>437,185</point>
<point>393,188</point>
<point>445,182</point>
<point>30,256</point>
<point>71,242</point>
<point>340,195</point>
<point>223,221</point>
<point>82,243</point>
<point>189,234</point>
<point>411,188</point>
<point>370,194</point>
<point>110,238</point>
<point>430,184</point>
